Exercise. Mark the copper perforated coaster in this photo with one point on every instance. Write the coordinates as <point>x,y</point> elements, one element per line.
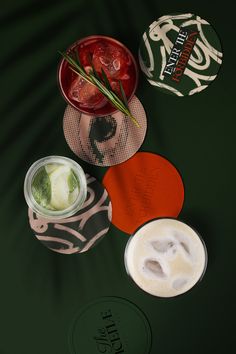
<point>81,231</point>
<point>105,141</point>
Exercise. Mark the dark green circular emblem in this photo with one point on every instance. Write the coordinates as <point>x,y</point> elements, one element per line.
<point>180,54</point>
<point>110,325</point>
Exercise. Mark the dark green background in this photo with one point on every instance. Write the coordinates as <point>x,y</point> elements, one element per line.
<point>41,290</point>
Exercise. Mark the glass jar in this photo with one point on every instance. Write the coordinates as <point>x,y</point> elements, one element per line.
<point>56,161</point>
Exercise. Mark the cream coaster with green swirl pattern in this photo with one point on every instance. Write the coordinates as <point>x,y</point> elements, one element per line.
<point>180,54</point>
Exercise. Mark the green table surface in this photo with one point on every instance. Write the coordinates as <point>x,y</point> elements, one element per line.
<point>41,290</point>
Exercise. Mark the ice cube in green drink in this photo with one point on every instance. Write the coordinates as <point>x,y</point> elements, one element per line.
<point>55,186</point>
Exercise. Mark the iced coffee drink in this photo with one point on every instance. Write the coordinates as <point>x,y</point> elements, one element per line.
<point>165,257</point>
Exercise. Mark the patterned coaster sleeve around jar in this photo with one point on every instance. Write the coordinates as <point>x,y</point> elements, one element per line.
<point>180,54</point>
<point>81,231</point>
<point>108,140</point>
<point>145,187</point>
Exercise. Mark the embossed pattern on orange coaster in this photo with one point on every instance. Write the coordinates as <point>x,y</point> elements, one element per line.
<point>146,186</point>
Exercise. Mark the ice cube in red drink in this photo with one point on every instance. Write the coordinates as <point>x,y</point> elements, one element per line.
<point>86,94</point>
<point>112,59</point>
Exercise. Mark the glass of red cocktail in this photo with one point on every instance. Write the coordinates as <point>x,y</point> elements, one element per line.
<point>105,54</point>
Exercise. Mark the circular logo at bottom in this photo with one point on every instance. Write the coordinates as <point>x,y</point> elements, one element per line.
<point>110,325</point>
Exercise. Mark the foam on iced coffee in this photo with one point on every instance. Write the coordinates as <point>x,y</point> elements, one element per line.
<point>165,257</point>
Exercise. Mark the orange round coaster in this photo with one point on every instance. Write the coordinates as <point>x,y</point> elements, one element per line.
<point>145,187</point>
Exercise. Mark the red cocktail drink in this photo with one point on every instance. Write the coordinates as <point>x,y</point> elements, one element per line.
<point>105,54</point>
